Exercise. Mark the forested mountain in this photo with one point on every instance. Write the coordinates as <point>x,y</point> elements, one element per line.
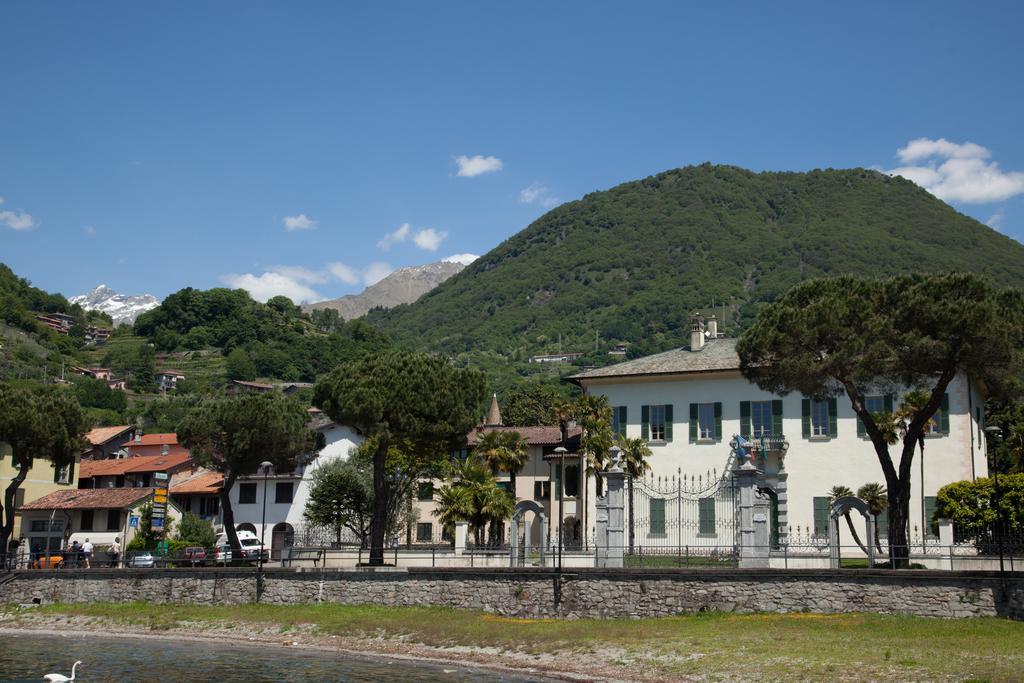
<point>631,262</point>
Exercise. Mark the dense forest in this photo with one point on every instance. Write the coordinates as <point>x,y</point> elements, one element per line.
<point>629,264</point>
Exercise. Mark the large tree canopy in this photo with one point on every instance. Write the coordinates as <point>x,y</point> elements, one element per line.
<point>915,332</point>
<point>40,422</point>
<point>420,401</point>
<point>234,435</point>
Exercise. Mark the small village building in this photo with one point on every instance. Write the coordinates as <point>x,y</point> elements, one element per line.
<point>238,386</point>
<point>108,442</point>
<point>58,322</point>
<point>166,380</point>
<point>567,357</point>
<point>198,492</point>
<point>154,444</point>
<point>131,472</point>
<point>52,522</point>
<point>42,480</point>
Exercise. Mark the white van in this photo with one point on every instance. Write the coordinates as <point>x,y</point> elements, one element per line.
<point>250,547</point>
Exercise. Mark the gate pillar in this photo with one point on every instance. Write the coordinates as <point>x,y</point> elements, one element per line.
<point>601,532</point>
<point>615,480</point>
<point>753,519</point>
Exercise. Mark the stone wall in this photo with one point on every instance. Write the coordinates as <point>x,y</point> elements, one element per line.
<point>540,593</point>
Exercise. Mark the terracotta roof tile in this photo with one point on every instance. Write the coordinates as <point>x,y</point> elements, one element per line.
<point>205,482</point>
<point>535,436</point>
<point>89,499</point>
<point>137,464</point>
<point>101,435</point>
<point>154,440</point>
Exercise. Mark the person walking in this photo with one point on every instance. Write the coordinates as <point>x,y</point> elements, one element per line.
<point>87,553</point>
<point>76,553</point>
<point>115,552</point>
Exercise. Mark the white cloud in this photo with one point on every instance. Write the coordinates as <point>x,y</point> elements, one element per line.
<point>957,172</point>
<point>300,222</point>
<point>271,284</point>
<point>538,193</point>
<point>477,165</point>
<point>346,274</point>
<point>464,259</point>
<point>90,231</point>
<point>429,239</point>
<point>376,271</point>
<point>301,274</point>
<point>995,221</point>
<point>395,237</point>
<point>17,220</point>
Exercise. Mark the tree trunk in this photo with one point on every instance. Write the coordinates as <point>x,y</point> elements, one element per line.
<point>853,532</point>
<point>229,514</point>
<point>380,504</point>
<point>9,508</point>
<point>631,528</point>
<point>899,516</point>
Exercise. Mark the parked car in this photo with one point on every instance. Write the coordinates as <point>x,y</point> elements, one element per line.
<point>250,550</point>
<point>142,559</point>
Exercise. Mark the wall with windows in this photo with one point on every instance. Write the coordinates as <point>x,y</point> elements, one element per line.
<point>286,493</point>
<point>688,422</point>
<point>42,480</point>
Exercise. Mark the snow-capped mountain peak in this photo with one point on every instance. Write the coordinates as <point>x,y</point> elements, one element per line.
<point>123,308</point>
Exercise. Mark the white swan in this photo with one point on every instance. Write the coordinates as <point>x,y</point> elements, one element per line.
<point>62,677</point>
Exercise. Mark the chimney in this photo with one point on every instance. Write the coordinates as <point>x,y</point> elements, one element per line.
<point>164,449</point>
<point>696,331</point>
<point>712,327</point>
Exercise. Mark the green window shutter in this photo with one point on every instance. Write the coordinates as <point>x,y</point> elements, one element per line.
<point>706,521</point>
<point>944,415</point>
<point>777,417</point>
<point>718,421</point>
<point>805,418</point>
<point>821,510</point>
<point>932,529</point>
<point>645,422</point>
<point>882,524</point>
<point>888,403</point>
<point>833,417</point>
<point>693,423</point>
<point>537,490</point>
<point>668,422</point>
<point>745,418</point>
<point>622,421</point>
<point>657,510</point>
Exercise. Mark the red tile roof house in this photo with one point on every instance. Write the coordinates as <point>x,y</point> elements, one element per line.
<point>100,515</point>
<point>154,444</point>
<point>105,442</point>
<point>198,492</point>
<point>131,472</point>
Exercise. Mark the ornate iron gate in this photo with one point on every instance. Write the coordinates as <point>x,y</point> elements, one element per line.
<point>682,516</point>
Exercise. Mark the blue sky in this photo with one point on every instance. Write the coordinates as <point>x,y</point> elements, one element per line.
<point>279,145</point>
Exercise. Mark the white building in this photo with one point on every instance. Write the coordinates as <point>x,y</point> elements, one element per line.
<point>286,493</point>
<point>689,403</point>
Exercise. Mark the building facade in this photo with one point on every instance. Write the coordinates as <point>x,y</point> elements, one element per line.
<point>42,480</point>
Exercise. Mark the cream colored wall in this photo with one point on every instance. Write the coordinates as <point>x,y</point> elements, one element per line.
<point>813,467</point>
<point>37,484</point>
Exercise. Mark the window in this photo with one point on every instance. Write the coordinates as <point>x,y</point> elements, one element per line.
<point>882,524</point>
<point>657,510</point>
<point>113,520</point>
<point>819,418</point>
<point>283,492</point>
<point>706,519</point>
<point>62,474</point>
<point>760,418</point>
<point>939,424</point>
<point>572,480</point>
<point>821,515</point>
<point>39,525</point>
<point>247,493</point>
<point>657,422</point>
<point>541,490</point>
<point>425,491</point>
<point>503,485</point>
<point>424,531</point>
<point>619,421</point>
<point>874,404</point>
<point>85,524</point>
<point>931,528</point>
<point>705,422</point>
<point>209,506</point>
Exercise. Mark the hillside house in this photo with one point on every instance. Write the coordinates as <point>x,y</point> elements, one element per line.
<point>154,444</point>
<point>556,357</point>
<point>58,322</point>
<point>166,380</point>
<point>108,442</point>
<point>688,403</point>
<point>238,386</point>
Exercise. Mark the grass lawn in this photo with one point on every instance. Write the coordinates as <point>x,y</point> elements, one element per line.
<point>716,646</point>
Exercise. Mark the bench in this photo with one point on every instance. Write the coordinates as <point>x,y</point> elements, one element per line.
<point>315,554</point>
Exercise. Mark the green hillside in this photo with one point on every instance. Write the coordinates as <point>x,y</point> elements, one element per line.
<point>630,263</point>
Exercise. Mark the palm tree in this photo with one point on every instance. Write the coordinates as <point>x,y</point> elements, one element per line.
<point>473,495</point>
<point>877,500</point>
<point>836,493</point>
<point>596,440</point>
<point>634,456</point>
<point>502,450</point>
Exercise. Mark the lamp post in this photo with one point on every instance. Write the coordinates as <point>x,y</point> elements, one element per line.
<point>995,434</point>
<point>337,522</point>
<point>561,490</point>
<point>265,466</point>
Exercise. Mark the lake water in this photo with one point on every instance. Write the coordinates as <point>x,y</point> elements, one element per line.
<point>30,657</point>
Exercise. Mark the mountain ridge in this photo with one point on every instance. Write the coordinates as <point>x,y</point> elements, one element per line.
<point>122,308</point>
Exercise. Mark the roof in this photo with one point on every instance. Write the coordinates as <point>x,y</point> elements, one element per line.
<point>171,372</point>
<point>89,499</point>
<point>204,482</point>
<point>101,435</point>
<point>254,385</point>
<point>137,464</point>
<point>716,355</point>
<point>154,440</point>
<point>535,436</point>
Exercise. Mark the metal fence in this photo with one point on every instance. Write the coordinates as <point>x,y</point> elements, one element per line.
<point>669,513</point>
